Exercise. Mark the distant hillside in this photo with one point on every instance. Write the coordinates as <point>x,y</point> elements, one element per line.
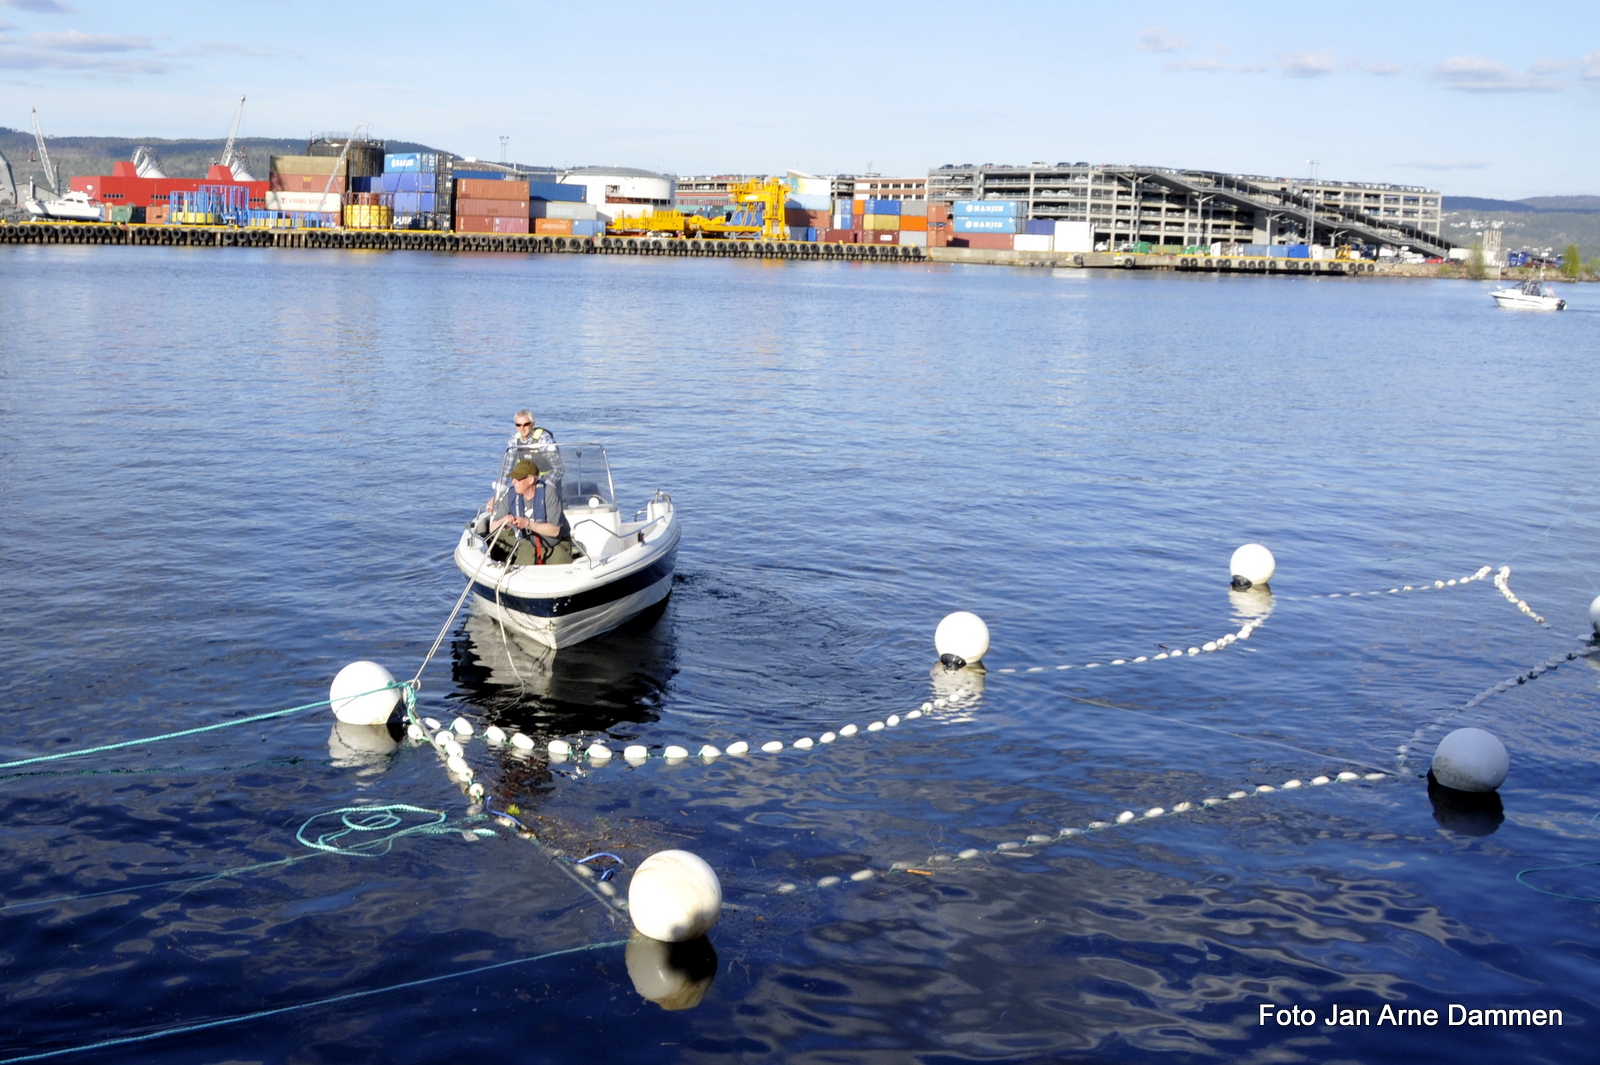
<point>77,156</point>
<point>1531,205</point>
<point>1536,224</point>
<point>1564,203</point>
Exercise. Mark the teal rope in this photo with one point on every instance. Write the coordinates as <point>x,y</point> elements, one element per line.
<point>346,997</point>
<point>376,819</point>
<point>203,728</point>
<point>1557,869</point>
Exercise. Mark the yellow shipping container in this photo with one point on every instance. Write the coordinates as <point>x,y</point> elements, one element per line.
<point>368,216</point>
<point>881,221</point>
<point>306,164</point>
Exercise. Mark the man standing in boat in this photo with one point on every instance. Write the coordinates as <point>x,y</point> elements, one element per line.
<point>528,526</point>
<point>529,435</point>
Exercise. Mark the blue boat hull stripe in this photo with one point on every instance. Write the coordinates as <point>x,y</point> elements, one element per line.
<point>567,605</point>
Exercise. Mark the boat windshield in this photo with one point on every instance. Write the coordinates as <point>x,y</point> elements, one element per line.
<point>584,474</point>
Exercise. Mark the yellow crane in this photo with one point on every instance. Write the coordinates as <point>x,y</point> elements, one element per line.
<point>767,194</point>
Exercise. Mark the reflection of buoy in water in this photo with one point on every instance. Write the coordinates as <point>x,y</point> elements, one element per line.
<point>1255,603</point>
<point>1470,759</point>
<point>961,639</point>
<point>674,897</point>
<point>675,976</point>
<point>1594,615</point>
<point>362,694</point>
<point>1471,813</point>
<point>957,684</point>
<point>1251,565</point>
<point>353,745</point>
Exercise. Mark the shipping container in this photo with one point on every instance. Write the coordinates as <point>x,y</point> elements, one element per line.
<point>841,236</point>
<point>938,238</point>
<point>881,207</point>
<point>482,175</point>
<point>809,202</point>
<point>1278,251</point>
<point>314,202</point>
<point>880,236</point>
<point>1299,251</point>
<point>964,224</point>
<point>587,227</point>
<point>938,212</point>
<point>483,189</point>
<point>914,207</point>
<point>156,214</point>
<point>550,190</point>
<point>1256,250</point>
<point>487,224</point>
<point>307,164</point>
<point>305,183</point>
<point>553,226</point>
<point>1040,227</point>
<point>477,208</point>
<point>1033,241</point>
<point>913,238</point>
<point>987,208</point>
<point>986,241</point>
<point>415,203</point>
<point>367,216</point>
<point>411,162</point>
<point>1073,237</point>
<point>881,222</point>
<point>913,223</point>
<point>566,209</point>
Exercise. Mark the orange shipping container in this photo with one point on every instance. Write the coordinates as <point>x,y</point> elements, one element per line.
<point>156,214</point>
<point>492,208</point>
<point>913,223</point>
<point>561,227</point>
<point>490,189</point>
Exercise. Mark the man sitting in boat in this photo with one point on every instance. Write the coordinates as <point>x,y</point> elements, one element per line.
<point>527,526</point>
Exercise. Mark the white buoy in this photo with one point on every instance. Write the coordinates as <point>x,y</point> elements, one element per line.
<point>738,747</point>
<point>362,694</point>
<point>598,752</point>
<point>964,635</point>
<point>674,897</point>
<point>1470,759</point>
<point>521,742</point>
<point>1252,564</point>
<point>495,735</point>
<point>1594,614</point>
<point>635,754</point>
<point>674,753</point>
<point>560,748</point>
<point>461,727</point>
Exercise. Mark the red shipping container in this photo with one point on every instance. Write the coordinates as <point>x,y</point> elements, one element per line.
<point>841,236</point>
<point>488,224</point>
<point>987,241</point>
<point>490,189</point>
<point>793,216</point>
<point>880,236</point>
<point>492,208</point>
<point>561,227</point>
<point>938,238</point>
<point>938,212</point>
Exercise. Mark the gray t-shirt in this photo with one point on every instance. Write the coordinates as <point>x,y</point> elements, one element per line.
<point>545,506</point>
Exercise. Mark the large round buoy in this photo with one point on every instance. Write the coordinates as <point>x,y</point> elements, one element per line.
<point>1252,564</point>
<point>1470,759</point>
<point>962,635</point>
<point>674,976</point>
<point>1594,614</point>
<point>362,694</point>
<point>674,897</point>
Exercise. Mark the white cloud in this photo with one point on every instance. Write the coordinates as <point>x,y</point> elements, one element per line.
<point>1376,67</point>
<point>1161,39</point>
<point>1474,73</point>
<point>43,7</point>
<point>204,48</point>
<point>91,43</point>
<point>1310,64</point>
<point>1192,64</point>
<point>1591,67</point>
<point>13,57</point>
<point>1548,66</point>
<point>1253,68</point>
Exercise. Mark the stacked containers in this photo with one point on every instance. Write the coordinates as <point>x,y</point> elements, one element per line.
<point>938,225</point>
<point>914,223</point>
<point>563,210</point>
<point>991,224</point>
<point>487,205</point>
<point>880,216</point>
<point>298,183</point>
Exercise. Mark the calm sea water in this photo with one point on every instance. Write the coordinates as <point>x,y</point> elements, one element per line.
<point>225,475</point>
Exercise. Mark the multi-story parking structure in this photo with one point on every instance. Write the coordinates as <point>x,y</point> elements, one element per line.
<point>1166,206</point>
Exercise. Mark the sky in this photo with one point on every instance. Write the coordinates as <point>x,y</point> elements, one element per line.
<point>1472,98</point>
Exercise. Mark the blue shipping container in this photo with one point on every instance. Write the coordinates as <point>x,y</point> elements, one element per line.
<point>588,228</point>
<point>1299,251</point>
<point>559,193</point>
<point>1278,251</point>
<point>882,206</point>
<point>986,208</point>
<point>985,225</point>
<point>483,175</point>
<point>811,233</point>
<point>1253,249</point>
<point>414,202</point>
<point>414,182</point>
<point>360,184</point>
<point>1041,227</point>
<point>411,162</point>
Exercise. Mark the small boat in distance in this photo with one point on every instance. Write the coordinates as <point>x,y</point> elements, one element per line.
<point>73,207</point>
<point>1531,296</point>
<point>618,568</point>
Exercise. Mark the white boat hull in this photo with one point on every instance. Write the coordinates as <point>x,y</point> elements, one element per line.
<point>65,210</point>
<point>1512,299</point>
<point>559,606</point>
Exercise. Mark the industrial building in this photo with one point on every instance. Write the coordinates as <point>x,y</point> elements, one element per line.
<point>1160,206</point>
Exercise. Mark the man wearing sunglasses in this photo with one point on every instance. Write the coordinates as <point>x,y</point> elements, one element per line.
<point>527,526</point>
<point>529,435</point>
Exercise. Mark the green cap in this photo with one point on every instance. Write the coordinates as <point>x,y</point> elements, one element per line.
<point>525,468</point>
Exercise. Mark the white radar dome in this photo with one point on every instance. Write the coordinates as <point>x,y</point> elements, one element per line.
<point>1253,564</point>
<point>1470,759</point>
<point>363,694</point>
<point>674,897</point>
<point>964,635</point>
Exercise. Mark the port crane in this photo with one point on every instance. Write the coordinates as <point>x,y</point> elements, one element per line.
<point>766,194</point>
<point>232,158</point>
<point>52,176</point>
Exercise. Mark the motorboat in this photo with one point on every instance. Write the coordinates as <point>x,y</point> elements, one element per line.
<point>1530,296</point>
<point>73,207</point>
<point>618,569</point>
